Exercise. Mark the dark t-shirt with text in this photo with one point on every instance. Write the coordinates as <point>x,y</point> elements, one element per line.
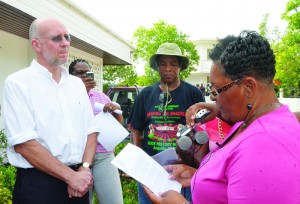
<point>158,121</point>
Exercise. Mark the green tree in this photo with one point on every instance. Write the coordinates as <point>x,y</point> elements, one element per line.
<point>121,74</point>
<point>273,35</point>
<point>146,42</point>
<point>287,50</point>
<point>263,26</point>
<point>292,15</point>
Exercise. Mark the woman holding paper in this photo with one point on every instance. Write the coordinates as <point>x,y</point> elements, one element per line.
<point>107,184</point>
<point>258,162</point>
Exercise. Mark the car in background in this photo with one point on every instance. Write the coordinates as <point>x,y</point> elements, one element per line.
<point>125,96</point>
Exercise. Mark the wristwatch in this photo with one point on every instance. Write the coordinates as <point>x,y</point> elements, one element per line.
<point>86,165</point>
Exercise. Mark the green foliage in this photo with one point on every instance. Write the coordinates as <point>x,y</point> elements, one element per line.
<point>7,173</point>
<point>3,145</point>
<point>292,15</point>
<point>263,26</point>
<point>5,194</point>
<point>122,74</point>
<point>288,60</point>
<point>273,35</point>
<point>8,176</point>
<point>146,42</point>
<point>129,186</point>
<point>120,146</point>
<point>287,51</point>
<point>149,78</point>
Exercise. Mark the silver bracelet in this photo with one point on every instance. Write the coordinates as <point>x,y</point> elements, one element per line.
<point>187,202</point>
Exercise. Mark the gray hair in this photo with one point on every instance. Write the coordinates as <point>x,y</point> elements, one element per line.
<point>34,30</point>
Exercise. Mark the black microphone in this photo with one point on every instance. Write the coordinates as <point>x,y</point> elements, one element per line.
<point>201,137</point>
<point>186,142</point>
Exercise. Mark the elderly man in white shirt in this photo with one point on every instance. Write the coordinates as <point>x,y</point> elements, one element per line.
<point>49,123</point>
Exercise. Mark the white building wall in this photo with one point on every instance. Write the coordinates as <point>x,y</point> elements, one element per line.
<point>13,57</point>
<point>79,24</point>
<point>201,75</point>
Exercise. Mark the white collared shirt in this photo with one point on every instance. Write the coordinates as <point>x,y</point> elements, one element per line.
<point>57,115</point>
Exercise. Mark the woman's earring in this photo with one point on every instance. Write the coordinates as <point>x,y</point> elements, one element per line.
<point>249,106</point>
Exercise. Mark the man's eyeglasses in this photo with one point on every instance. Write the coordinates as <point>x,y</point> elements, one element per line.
<point>165,99</point>
<point>217,92</point>
<point>58,38</point>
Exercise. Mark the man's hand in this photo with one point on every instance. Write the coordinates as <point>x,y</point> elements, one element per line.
<point>169,197</point>
<point>181,173</point>
<point>80,183</point>
<point>73,193</point>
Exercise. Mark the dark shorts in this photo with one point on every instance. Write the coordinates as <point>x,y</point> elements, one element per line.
<point>35,187</point>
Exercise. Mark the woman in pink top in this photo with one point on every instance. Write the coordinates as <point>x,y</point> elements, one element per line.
<point>259,160</point>
<point>107,184</point>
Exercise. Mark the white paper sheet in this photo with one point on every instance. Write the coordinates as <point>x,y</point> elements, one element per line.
<point>140,166</point>
<point>111,131</point>
<point>100,106</point>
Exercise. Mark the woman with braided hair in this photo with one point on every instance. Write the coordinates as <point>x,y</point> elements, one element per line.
<point>259,161</point>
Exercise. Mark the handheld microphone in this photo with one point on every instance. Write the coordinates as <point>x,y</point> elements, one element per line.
<point>201,137</point>
<point>186,142</point>
<point>199,117</point>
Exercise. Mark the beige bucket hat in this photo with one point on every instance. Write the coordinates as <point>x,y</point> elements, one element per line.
<point>171,49</point>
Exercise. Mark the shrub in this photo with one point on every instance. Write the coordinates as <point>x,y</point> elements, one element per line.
<point>8,176</point>
<point>129,186</point>
<point>3,145</point>
<point>5,194</point>
<point>7,173</point>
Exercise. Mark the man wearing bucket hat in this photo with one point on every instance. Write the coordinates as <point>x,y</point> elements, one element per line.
<point>171,50</point>
<point>159,110</point>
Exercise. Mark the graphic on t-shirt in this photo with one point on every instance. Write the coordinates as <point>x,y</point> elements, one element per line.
<point>162,133</point>
<point>162,136</point>
<point>163,129</point>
